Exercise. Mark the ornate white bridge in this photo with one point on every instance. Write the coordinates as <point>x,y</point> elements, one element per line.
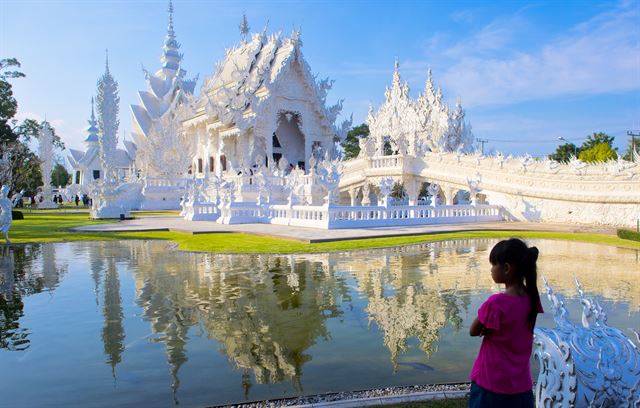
<point>528,189</point>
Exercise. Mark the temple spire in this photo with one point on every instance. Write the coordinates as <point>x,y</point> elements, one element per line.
<point>396,73</point>
<point>170,56</point>
<point>244,27</point>
<point>92,130</point>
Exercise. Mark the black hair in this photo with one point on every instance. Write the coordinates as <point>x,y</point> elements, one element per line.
<point>523,260</point>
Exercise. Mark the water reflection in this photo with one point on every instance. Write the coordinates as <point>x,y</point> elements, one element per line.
<point>24,271</point>
<point>263,311</point>
<point>268,315</point>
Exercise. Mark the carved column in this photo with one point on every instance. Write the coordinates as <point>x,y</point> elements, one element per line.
<point>449,194</point>
<point>353,195</point>
<point>412,188</point>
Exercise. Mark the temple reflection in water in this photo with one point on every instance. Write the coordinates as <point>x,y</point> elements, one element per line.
<point>266,313</point>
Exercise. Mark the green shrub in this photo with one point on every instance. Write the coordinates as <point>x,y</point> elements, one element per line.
<point>16,215</point>
<point>629,234</point>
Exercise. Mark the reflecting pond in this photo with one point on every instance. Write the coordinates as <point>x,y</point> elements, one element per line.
<point>135,323</point>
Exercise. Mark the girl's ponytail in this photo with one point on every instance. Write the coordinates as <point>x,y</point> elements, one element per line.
<point>515,252</point>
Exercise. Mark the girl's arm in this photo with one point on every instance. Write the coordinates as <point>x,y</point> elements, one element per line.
<point>477,328</point>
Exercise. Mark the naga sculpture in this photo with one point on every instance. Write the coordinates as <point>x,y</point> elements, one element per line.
<point>588,365</point>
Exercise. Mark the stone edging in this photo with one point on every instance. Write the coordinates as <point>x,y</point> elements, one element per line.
<point>374,397</point>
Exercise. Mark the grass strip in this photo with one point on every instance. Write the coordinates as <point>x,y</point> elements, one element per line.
<point>43,227</point>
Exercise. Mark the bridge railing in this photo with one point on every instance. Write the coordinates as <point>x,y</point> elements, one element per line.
<point>330,217</point>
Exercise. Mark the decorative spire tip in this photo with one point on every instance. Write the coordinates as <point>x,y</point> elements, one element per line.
<point>244,26</point>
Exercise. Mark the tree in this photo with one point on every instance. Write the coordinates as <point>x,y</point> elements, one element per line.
<point>351,144</point>
<point>24,172</point>
<point>60,176</point>
<point>596,139</point>
<point>599,153</point>
<point>564,152</point>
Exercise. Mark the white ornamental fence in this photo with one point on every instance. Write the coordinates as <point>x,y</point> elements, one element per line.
<point>333,217</point>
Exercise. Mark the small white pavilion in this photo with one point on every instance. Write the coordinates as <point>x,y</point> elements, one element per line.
<point>86,166</point>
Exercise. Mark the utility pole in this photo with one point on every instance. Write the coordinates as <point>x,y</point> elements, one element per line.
<point>633,144</point>
<point>482,142</point>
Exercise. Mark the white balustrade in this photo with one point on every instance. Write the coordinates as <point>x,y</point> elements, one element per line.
<point>329,217</point>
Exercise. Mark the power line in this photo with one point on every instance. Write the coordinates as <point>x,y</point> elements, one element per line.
<point>633,144</point>
<point>531,141</point>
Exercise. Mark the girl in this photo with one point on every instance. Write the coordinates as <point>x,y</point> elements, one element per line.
<point>501,376</point>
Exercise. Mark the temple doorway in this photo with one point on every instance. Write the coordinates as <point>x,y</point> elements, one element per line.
<point>288,139</point>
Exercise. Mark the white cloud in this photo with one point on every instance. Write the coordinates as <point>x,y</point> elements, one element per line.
<point>601,55</point>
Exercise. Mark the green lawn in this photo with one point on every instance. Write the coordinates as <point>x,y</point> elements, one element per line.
<point>53,227</point>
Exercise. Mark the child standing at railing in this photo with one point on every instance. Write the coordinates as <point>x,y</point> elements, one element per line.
<point>501,376</point>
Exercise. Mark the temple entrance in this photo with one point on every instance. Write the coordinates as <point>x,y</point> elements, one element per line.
<point>288,139</point>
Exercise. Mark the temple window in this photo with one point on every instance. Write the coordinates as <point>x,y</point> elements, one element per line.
<point>276,142</point>
<point>223,162</point>
<point>211,164</point>
<point>96,174</point>
<point>199,165</point>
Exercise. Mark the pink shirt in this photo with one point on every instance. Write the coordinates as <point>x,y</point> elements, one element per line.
<point>502,365</point>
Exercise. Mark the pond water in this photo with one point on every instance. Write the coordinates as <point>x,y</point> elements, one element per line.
<point>135,323</point>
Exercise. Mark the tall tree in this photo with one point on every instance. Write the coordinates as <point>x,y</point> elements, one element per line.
<point>60,176</point>
<point>596,139</point>
<point>24,172</point>
<point>351,143</point>
<point>564,152</point>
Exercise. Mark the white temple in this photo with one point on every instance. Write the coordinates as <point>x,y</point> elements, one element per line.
<point>86,167</point>
<point>257,145</point>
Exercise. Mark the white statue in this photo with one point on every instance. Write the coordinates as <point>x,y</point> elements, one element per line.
<point>5,214</point>
<point>474,189</point>
<point>386,187</point>
<point>433,191</point>
<point>366,192</point>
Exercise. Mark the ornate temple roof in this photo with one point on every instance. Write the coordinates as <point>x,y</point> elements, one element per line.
<point>166,88</point>
<point>247,75</point>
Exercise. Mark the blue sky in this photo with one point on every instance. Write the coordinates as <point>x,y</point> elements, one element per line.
<point>526,72</point>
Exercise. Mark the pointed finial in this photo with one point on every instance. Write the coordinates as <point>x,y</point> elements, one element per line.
<point>244,26</point>
<point>429,72</point>
<point>170,10</point>
<point>107,60</point>
<point>396,73</point>
<point>93,116</point>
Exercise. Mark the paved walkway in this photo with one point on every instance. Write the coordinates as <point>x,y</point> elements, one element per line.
<point>313,235</point>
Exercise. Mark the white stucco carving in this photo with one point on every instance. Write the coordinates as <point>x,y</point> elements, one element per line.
<point>46,165</point>
<point>586,365</point>
<point>412,127</point>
